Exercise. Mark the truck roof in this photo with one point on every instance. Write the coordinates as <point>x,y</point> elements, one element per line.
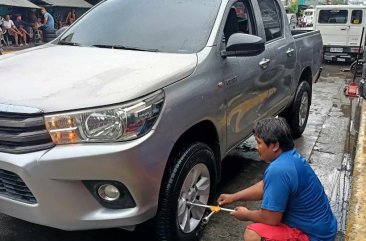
<point>340,7</point>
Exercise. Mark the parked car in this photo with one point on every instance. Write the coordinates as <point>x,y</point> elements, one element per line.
<point>111,125</point>
<point>292,20</point>
<point>341,28</point>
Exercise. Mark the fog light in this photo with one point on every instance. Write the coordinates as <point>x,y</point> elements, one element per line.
<point>108,192</point>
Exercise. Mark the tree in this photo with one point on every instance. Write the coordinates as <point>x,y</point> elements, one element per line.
<point>293,7</point>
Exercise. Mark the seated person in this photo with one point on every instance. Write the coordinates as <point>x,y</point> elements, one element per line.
<point>1,30</point>
<point>71,17</point>
<point>9,25</point>
<point>21,25</point>
<point>48,20</point>
<point>36,23</point>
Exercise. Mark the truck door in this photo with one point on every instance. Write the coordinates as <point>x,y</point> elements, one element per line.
<point>281,47</point>
<point>355,27</point>
<point>242,76</point>
<point>332,23</point>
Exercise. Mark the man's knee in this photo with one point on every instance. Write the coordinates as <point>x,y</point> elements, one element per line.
<point>250,235</point>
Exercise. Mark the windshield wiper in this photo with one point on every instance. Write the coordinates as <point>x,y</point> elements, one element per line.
<point>62,42</point>
<point>123,47</point>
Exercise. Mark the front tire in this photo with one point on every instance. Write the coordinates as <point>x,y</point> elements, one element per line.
<point>298,113</point>
<point>192,179</point>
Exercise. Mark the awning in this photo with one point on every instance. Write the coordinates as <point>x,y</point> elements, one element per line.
<point>68,3</point>
<point>18,3</point>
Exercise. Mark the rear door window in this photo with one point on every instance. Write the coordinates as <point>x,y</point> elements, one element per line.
<point>272,19</point>
<point>356,16</point>
<point>333,16</point>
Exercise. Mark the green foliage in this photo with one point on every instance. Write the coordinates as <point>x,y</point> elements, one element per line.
<point>292,8</point>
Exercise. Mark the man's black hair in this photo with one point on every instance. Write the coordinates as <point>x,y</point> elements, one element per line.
<point>272,130</point>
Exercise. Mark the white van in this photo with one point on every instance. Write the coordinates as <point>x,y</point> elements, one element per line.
<point>309,17</point>
<point>341,28</point>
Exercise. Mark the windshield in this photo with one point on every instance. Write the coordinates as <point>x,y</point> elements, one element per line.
<point>174,26</point>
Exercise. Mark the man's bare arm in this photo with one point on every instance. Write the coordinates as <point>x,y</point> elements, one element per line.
<point>252,193</point>
<point>258,216</point>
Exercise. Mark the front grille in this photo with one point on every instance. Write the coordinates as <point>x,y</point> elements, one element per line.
<point>12,186</point>
<point>23,133</point>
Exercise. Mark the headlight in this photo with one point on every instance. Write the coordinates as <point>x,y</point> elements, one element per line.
<point>116,123</point>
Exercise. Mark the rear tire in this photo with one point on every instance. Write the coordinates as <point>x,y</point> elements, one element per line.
<point>297,114</point>
<point>192,178</point>
<point>46,40</point>
<point>49,35</point>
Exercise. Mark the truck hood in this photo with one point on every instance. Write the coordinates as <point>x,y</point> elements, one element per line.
<point>56,78</point>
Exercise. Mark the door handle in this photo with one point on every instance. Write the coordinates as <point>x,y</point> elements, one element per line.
<point>290,51</point>
<point>264,63</point>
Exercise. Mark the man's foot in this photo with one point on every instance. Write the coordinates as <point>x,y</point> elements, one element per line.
<point>20,45</point>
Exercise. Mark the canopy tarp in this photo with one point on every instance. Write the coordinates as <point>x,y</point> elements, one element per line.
<point>18,3</point>
<point>68,3</point>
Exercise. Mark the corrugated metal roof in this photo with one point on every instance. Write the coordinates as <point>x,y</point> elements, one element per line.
<point>68,3</point>
<point>18,3</point>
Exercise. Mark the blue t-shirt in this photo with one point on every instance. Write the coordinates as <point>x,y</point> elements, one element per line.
<point>292,187</point>
<point>50,22</point>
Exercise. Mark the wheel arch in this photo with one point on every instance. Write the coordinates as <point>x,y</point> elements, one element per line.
<point>205,132</point>
<point>306,75</point>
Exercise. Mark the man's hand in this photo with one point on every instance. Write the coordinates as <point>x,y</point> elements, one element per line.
<point>225,199</point>
<point>240,213</point>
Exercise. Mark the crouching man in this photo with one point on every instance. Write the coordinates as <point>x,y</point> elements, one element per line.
<point>294,204</point>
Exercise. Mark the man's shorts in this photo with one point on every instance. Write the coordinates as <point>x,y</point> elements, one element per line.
<point>281,232</point>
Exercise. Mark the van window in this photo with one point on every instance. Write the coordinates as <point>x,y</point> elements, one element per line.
<point>308,13</point>
<point>356,17</point>
<point>333,16</point>
<point>272,19</point>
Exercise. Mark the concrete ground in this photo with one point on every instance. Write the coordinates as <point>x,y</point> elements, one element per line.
<point>328,143</point>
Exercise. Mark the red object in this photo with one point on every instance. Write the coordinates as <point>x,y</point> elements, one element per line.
<point>351,89</point>
<point>281,232</point>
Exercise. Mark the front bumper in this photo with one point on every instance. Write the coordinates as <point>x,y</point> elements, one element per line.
<point>55,178</point>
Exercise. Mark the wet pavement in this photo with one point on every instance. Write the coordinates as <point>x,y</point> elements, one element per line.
<point>328,143</point>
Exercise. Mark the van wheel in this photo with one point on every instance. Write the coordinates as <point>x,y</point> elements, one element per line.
<point>298,113</point>
<point>191,179</point>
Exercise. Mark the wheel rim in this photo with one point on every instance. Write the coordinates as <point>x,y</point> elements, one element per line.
<point>304,106</point>
<point>195,189</point>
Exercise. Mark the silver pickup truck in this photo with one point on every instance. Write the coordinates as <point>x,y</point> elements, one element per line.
<point>126,116</point>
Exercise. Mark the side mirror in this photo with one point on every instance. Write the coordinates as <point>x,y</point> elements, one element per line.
<point>61,30</point>
<point>241,44</point>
